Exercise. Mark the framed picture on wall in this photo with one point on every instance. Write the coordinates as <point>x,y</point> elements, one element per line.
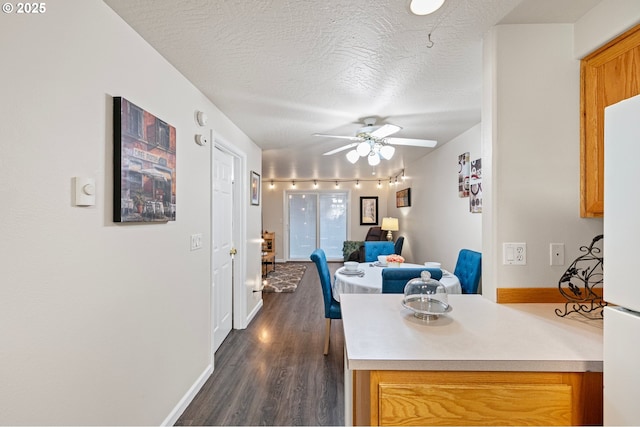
<point>403,198</point>
<point>144,158</point>
<point>255,188</point>
<point>369,210</point>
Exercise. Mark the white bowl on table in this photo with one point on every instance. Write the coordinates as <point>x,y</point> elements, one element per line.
<point>431,264</point>
<point>382,259</point>
<point>350,266</point>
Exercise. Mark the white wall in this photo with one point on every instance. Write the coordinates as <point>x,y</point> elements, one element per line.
<point>101,323</point>
<point>273,209</point>
<point>603,23</point>
<point>438,223</point>
<point>534,145</point>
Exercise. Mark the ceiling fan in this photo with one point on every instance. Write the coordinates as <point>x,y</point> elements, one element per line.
<point>374,142</point>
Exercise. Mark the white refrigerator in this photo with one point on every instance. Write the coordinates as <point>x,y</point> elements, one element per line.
<point>621,263</point>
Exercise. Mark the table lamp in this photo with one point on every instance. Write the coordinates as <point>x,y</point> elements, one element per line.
<point>390,224</point>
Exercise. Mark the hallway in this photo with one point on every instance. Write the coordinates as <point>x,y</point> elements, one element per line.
<point>274,372</point>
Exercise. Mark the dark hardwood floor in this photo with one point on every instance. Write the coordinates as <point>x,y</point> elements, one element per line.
<point>274,372</point>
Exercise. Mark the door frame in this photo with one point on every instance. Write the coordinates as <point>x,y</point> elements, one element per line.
<point>240,198</point>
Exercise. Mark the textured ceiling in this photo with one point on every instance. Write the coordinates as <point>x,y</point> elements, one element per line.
<point>282,70</point>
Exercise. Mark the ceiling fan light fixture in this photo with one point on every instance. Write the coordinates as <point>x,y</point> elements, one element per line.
<point>387,151</point>
<point>364,148</point>
<point>353,156</point>
<point>373,159</point>
<point>425,7</point>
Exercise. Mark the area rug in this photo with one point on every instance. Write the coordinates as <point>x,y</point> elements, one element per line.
<point>285,278</point>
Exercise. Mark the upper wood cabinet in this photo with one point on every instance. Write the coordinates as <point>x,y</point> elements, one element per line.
<point>608,75</point>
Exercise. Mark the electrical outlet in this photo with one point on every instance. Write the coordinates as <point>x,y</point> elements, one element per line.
<point>556,254</point>
<point>514,253</point>
<point>196,241</point>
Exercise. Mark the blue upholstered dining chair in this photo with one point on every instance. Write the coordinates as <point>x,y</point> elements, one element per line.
<point>373,249</point>
<point>398,245</point>
<point>331,306</point>
<point>469,270</point>
<point>395,279</point>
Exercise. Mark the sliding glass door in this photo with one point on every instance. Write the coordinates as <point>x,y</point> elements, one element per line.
<point>317,220</point>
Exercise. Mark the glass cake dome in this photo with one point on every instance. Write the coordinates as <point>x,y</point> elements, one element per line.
<point>426,297</point>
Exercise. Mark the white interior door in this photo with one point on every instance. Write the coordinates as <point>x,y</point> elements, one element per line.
<point>222,275</point>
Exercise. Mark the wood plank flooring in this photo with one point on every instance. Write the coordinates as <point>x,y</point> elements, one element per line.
<point>274,372</point>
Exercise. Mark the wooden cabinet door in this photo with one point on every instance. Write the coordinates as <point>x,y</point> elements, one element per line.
<point>465,398</point>
<point>608,75</point>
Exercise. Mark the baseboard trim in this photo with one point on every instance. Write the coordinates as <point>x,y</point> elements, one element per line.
<point>254,312</point>
<point>532,295</point>
<point>173,416</point>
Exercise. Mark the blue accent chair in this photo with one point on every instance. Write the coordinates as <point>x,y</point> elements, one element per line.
<point>331,306</point>
<point>395,279</point>
<point>469,270</point>
<point>398,245</point>
<point>373,249</point>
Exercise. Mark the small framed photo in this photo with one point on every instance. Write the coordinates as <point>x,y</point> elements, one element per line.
<point>369,210</point>
<point>403,198</point>
<point>255,188</point>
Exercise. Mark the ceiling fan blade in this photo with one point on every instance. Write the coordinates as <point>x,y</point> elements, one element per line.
<point>385,130</point>
<point>351,138</point>
<point>344,147</point>
<point>413,142</point>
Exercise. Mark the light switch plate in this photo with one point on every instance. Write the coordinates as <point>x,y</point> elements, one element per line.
<point>514,253</point>
<point>84,191</point>
<point>196,241</point>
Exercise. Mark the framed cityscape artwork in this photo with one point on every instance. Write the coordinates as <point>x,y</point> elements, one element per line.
<point>144,159</point>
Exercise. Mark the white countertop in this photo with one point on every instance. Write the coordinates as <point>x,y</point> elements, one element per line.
<point>477,335</point>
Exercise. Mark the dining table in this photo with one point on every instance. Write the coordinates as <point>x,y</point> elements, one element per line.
<point>367,279</point>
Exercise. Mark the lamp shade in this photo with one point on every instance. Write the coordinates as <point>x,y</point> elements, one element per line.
<point>363,148</point>
<point>390,224</point>
<point>387,152</point>
<point>373,159</point>
<point>353,156</point>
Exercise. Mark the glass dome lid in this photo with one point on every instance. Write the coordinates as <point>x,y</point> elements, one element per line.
<point>426,297</point>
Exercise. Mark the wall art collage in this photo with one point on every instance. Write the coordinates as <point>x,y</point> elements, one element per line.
<point>470,181</point>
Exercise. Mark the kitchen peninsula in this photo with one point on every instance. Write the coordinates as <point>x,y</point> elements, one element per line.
<point>481,364</point>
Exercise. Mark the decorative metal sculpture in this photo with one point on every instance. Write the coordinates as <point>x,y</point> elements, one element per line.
<point>578,282</point>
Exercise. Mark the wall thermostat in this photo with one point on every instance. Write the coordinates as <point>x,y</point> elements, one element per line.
<point>201,140</point>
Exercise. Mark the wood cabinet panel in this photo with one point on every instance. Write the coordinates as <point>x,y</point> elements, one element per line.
<point>608,75</point>
<point>479,404</point>
<point>477,398</point>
